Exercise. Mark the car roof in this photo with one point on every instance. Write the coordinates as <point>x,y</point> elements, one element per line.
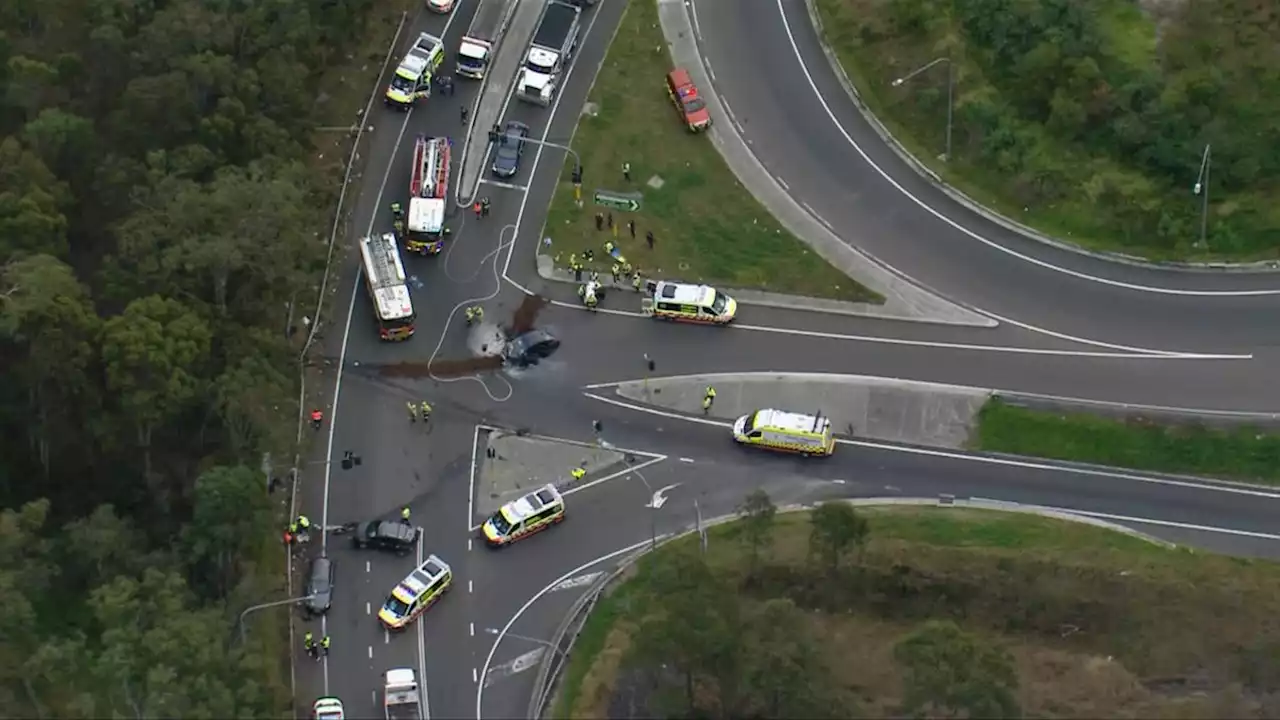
<point>423,577</point>
<point>399,530</point>
<point>321,566</point>
<point>534,336</point>
<point>516,125</point>
<point>680,77</point>
<point>535,501</point>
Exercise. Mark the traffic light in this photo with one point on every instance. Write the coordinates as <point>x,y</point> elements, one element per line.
<point>577,174</point>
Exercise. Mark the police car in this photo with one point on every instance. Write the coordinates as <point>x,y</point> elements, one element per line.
<point>327,708</point>
<point>521,518</point>
<point>416,593</point>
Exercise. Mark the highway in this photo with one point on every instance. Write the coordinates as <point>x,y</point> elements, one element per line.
<point>1072,326</point>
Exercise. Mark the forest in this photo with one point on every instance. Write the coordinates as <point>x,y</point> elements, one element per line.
<point>157,252</point>
<point>1143,127</point>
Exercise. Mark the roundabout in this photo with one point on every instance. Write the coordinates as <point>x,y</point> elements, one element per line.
<point>987,311</point>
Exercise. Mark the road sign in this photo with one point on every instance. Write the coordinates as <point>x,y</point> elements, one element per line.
<point>629,201</point>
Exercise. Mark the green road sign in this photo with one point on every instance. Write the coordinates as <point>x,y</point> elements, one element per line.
<point>629,201</point>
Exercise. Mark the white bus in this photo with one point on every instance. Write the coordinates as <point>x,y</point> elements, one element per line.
<point>388,287</point>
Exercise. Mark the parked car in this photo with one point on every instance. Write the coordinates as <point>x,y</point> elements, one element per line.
<point>530,348</point>
<point>509,149</point>
<point>397,537</point>
<point>684,95</point>
<point>319,587</point>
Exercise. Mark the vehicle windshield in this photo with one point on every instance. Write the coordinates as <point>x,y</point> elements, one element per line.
<point>694,105</point>
<point>749,425</point>
<point>402,85</point>
<point>468,61</point>
<point>398,607</point>
<point>500,523</point>
<point>719,303</point>
<point>538,68</point>
<point>406,322</point>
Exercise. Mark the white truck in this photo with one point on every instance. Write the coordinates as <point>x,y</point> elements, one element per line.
<point>481,41</point>
<point>550,53</point>
<point>400,695</point>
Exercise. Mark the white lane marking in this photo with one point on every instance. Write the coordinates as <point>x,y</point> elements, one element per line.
<point>473,629</point>
<point>577,581</point>
<point>368,609</point>
<point>612,476</point>
<point>519,664</point>
<point>470,589</point>
<point>473,676</point>
<point>1223,487</point>
<point>368,566</point>
<point>421,632</point>
<point>686,460</point>
<point>537,596</point>
<point>707,63</point>
<point>386,637</point>
<point>537,155</point>
<point>471,483</point>
<point>1249,414</point>
<point>787,187</point>
<point>697,28</point>
<point>370,652</point>
<point>504,185</point>
<point>660,497</point>
<point>786,26</point>
<point>470,544</point>
<point>1172,524</point>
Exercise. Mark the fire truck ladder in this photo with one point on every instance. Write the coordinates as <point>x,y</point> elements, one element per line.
<point>438,166</point>
<point>384,263</point>
<point>419,160</point>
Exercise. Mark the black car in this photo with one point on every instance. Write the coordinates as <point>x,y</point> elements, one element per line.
<point>396,537</point>
<point>509,148</point>
<point>528,348</point>
<point>319,587</point>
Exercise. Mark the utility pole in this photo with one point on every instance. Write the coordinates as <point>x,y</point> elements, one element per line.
<point>264,606</point>
<point>951,85</point>
<point>1201,188</point>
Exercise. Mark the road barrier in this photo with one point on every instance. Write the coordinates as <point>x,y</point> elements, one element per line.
<point>315,325</point>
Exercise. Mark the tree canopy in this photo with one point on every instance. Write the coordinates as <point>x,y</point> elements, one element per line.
<point>156,228</point>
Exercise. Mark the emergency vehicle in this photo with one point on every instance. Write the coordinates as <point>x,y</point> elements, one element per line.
<point>415,71</point>
<point>417,592</point>
<point>786,432</point>
<point>521,518</point>
<point>428,192</point>
<point>688,303</point>
<point>388,288</point>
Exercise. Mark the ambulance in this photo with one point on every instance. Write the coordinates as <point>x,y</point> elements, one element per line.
<point>417,592</point>
<point>786,432</point>
<point>688,303</point>
<point>521,518</point>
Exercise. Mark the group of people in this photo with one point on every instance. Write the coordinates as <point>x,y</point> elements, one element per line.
<point>481,207</point>
<point>416,409</point>
<point>299,531</point>
<point>313,648</point>
<point>475,314</point>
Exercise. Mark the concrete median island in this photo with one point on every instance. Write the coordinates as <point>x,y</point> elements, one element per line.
<point>1234,451</point>
<point>959,611</point>
<point>706,226</point>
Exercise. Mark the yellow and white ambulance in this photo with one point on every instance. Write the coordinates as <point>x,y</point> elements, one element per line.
<point>420,590</point>
<point>688,303</point>
<point>521,518</point>
<point>786,432</point>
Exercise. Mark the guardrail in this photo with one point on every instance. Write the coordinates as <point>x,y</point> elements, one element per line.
<point>315,325</point>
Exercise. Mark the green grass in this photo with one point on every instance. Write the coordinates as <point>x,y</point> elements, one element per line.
<point>708,228</point>
<point>1015,577</point>
<point>1244,453</point>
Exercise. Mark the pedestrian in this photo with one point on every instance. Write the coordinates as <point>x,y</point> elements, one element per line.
<point>309,643</point>
<point>707,399</point>
<point>635,282</point>
<point>426,411</point>
<point>626,171</point>
<point>484,206</point>
<point>304,523</point>
<point>578,473</point>
<point>599,221</point>
<point>627,269</point>
<point>577,273</point>
<point>317,418</point>
<point>478,209</point>
<point>648,238</point>
<point>404,515</point>
<point>631,228</point>
<point>610,220</point>
<point>589,255</point>
<point>614,272</point>
<point>573,260</point>
<point>324,645</point>
<point>413,412</point>
<point>462,113</point>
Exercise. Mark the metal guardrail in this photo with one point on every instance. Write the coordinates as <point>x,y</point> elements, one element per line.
<point>315,325</point>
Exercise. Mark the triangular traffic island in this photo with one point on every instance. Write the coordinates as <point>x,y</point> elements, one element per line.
<point>509,464</point>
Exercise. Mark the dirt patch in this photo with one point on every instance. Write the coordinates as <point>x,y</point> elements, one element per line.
<point>601,681</point>
<point>441,368</point>
<point>525,315</point>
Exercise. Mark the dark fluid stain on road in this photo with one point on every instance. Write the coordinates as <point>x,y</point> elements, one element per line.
<point>527,313</point>
<point>441,368</point>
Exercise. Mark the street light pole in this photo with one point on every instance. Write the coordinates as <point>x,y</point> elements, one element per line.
<point>951,84</point>
<point>1202,189</point>
<point>264,606</point>
<point>653,522</point>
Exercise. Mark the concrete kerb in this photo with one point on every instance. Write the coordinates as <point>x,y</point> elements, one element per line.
<point>904,299</point>
<point>542,691</point>
<point>1004,221</point>
<point>315,326</point>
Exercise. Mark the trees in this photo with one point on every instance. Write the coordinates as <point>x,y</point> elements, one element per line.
<point>835,529</point>
<point>756,527</point>
<point>951,671</point>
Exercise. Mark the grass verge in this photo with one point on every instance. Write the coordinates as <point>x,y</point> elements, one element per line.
<point>1085,612</point>
<point>1243,453</point>
<point>707,226</point>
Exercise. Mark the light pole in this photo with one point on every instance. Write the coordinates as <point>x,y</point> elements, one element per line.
<point>653,521</point>
<point>1201,188</point>
<point>951,85</point>
<point>526,638</point>
<point>495,134</point>
<point>648,369</point>
<point>264,606</point>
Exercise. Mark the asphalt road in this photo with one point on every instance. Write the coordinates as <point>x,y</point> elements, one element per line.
<point>1087,340</point>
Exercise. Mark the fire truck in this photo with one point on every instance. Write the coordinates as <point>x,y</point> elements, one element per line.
<point>428,195</point>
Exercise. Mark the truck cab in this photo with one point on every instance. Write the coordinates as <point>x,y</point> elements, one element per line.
<point>554,42</point>
<point>401,698</point>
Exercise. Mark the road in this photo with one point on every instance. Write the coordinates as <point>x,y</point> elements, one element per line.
<point>1064,335</point>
